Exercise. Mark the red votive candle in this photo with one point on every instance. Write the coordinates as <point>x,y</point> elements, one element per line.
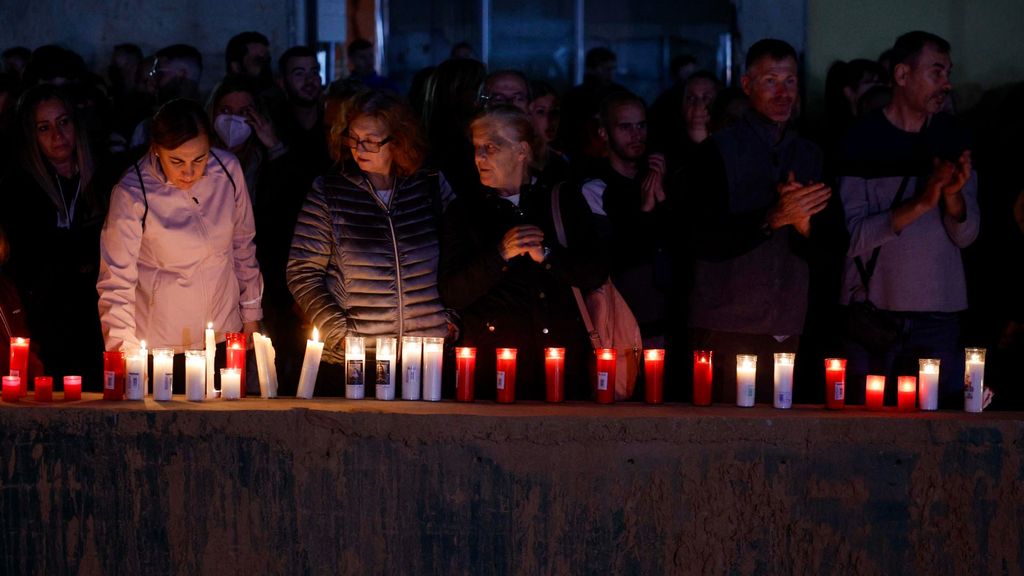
<point>113,375</point>
<point>465,373</point>
<point>19,363</point>
<point>605,385</point>
<point>72,388</point>
<point>654,376</point>
<point>702,364</point>
<point>906,393</point>
<point>506,375</point>
<point>835,383</point>
<point>44,389</point>
<point>874,392</point>
<point>554,374</point>
<point>235,343</point>
<point>11,388</point>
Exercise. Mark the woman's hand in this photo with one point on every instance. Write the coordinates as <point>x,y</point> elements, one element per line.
<point>262,127</point>
<point>248,328</point>
<point>523,239</point>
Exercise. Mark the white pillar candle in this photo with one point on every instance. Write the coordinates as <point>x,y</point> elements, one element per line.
<point>928,384</point>
<point>386,368</point>
<point>783,397</point>
<point>310,366</point>
<point>135,383</point>
<point>261,362</point>
<point>144,352</point>
<point>163,373</point>
<point>268,348</point>
<point>974,380</point>
<point>433,349</point>
<point>355,367</point>
<point>195,375</point>
<point>230,383</point>
<point>746,379</point>
<point>412,353</point>
<point>211,355</point>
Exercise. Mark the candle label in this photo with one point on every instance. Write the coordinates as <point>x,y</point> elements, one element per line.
<point>412,375</point>
<point>840,390</point>
<point>168,382</point>
<point>383,372</point>
<point>783,399</point>
<point>501,380</point>
<point>108,380</point>
<point>748,391</point>
<point>602,380</point>
<point>354,372</point>
<point>134,381</point>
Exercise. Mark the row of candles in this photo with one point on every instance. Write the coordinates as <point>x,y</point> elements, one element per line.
<point>125,376</point>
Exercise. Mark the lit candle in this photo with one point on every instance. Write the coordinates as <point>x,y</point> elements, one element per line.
<point>554,374</point>
<point>465,373</point>
<point>135,386</point>
<point>195,375</point>
<point>654,376</point>
<point>163,374</point>
<point>19,362</point>
<point>835,383</point>
<point>386,349</point>
<point>746,379</point>
<point>235,357</point>
<point>230,383</point>
<point>211,356</point>
<point>412,354</point>
<point>605,385</point>
<point>874,392</point>
<point>783,397</point>
<point>11,388</point>
<point>906,393</point>
<point>144,353</point>
<point>433,349</point>
<point>261,362</point>
<point>928,378</point>
<point>310,366</point>
<point>271,354</point>
<point>355,364</point>
<point>44,389</point>
<point>974,379</point>
<point>72,388</point>
<point>703,364</point>
<point>506,375</point>
<point>113,375</point>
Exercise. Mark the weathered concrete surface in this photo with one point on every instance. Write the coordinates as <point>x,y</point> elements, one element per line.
<point>332,486</point>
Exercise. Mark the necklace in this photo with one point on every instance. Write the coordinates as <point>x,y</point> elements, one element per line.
<point>64,221</point>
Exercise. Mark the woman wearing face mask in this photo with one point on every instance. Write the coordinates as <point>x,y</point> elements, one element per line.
<point>364,256</point>
<point>53,211</point>
<point>240,127</point>
<point>503,269</point>
<point>177,248</point>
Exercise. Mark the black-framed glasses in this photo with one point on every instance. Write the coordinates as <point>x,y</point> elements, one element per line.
<point>371,146</point>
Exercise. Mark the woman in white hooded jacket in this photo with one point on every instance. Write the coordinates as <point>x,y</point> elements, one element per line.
<point>177,247</point>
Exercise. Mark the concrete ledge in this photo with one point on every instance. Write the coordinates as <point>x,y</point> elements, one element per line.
<point>333,486</point>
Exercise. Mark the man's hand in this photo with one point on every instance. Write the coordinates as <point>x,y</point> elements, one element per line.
<point>652,189</point>
<point>797,203</point>
<point>523,239</point>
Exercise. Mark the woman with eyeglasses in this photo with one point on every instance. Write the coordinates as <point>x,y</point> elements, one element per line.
<point>53,211</point>
<point>364,255</point>
<point>503,269</point>
<point>177,248</point>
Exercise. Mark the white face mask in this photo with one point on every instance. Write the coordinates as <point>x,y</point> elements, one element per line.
<point>233,130</point>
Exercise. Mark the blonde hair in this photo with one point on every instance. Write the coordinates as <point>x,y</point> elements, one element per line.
<point>36,164</point>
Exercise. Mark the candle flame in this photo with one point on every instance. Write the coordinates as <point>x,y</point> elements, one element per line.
<point>508,353</point>
<point>316,335</point>
<point>209,325</point>
<point>142,343</point>
<point>19,340</point>
<point>655,354</point>
<point>835,365</point>
<point>555,353</point>
<point>607,354</point>
<point>466,352</point>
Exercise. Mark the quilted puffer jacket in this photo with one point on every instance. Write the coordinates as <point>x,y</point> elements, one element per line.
<point>360,267</point>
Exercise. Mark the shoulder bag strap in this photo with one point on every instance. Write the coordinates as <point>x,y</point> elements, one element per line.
<point>556,216</point>
<point>145,200</point>
<point>866,271</point>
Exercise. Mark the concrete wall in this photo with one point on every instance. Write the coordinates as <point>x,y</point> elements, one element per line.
<point>336,487</point>
<point>93,27</point>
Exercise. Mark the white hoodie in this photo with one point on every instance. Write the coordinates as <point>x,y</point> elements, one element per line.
<point>194,263</point>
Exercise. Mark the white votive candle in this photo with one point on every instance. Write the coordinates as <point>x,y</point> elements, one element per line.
<point>385,389</point>
<point>433,349</point>
<point>412,353</point>
<point>310,366</point>
<point>135,374</point>
<point>974,379</point>
<point>195,375</point>
<point>746,379</point>
<point>928,384</point>
<point>783,397</point>
<point>355,367</point>
<point>163,373</point>
<point>230,383</point>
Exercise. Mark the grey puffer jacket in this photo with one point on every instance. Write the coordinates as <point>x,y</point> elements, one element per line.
<point>360,267</point>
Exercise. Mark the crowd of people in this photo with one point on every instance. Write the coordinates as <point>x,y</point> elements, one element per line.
<point>137,208</point>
